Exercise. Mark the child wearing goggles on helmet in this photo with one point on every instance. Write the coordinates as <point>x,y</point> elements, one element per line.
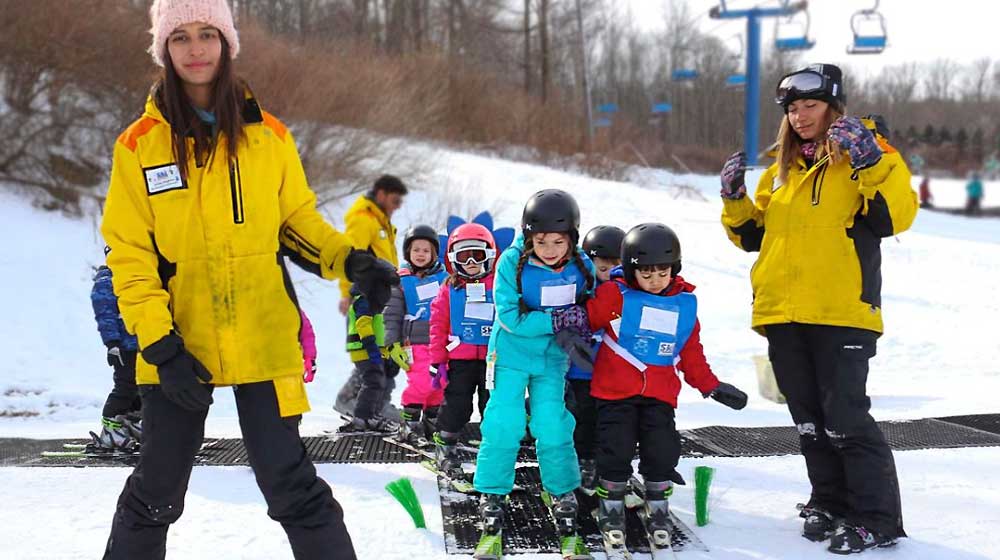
<point>407,332</point>
<point>541,279</point>
<point>461,323</point>
<point>649,315</point>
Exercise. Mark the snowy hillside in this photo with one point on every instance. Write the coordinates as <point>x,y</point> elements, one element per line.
<point>939,357</point>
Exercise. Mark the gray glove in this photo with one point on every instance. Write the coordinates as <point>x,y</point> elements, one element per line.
<point>578,348</point>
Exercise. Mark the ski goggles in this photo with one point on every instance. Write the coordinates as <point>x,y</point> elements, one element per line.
<point>804,84</point>
<point>473,255</point>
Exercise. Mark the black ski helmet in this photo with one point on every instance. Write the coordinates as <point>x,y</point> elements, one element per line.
<point>604,242</point>
<point>420,231</point>
<point>551,211</point>
<point>647,245</point>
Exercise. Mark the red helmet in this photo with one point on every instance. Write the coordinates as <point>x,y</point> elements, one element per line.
<point>471,242</point>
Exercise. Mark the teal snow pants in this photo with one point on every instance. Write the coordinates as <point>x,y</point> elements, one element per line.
<point>551,425</point>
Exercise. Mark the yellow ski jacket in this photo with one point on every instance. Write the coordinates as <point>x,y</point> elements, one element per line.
<point>819,238</point>
<point>203,256</point>
<point>370,230</point>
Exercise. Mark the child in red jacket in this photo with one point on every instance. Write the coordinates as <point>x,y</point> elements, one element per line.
<point>461,323</point>
<point>650,323</point>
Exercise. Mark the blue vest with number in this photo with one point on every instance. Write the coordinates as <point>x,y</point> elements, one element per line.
<point>655,328</point>
<point>420,309</point>
<point>543,288</point>
<point>471,330</point>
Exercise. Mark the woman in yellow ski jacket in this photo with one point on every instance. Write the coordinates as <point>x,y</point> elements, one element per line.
<point>818,217</point>
<point>207,194</point>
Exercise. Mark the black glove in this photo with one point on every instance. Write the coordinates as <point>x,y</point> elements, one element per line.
<point>179,373</point>
<point>578,348</point>
<point>729,396</point>
<point>373,277</point>
<point>116,355</point>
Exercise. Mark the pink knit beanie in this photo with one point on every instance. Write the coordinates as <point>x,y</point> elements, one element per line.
<point>168,15</point>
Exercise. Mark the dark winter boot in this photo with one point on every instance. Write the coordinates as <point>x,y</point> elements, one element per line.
<point>446,453</point>
<point>819,524</point>
<point>588,476</point>
<point>411,429</point>
<point>491,511</point>
<point>564,508</point>
<point>658,511</point>
<point>430,419</point>
<point>611,511</point>
<point>850,539</point>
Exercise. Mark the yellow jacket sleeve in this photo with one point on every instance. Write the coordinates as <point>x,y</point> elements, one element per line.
<point>127,228</point>
<point>362,229</point>
<point>304,231</point>
<point>743,219</point>
<point>890,203</point>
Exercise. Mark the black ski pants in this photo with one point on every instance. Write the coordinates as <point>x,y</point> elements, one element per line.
<point>621,424</point>
<point>823,370</point>
<point>584,410</point>
<point>374,383</point>
<point>466,378</point>
<point>296,497</point>
<point>124,396</point>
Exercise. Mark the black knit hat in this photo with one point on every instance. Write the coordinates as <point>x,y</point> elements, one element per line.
<point>792,87</point>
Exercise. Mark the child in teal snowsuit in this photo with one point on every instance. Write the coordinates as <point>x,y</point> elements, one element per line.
<point>539,283</point>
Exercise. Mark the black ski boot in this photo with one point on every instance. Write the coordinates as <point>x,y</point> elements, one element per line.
<point>430,420</point>
<point>373,425</point>
<point>851,539</point>
<point>446,453</point>
<point>611,510</point>
<point>588,476</point>
<point>564,508</point>
<point>491,511</point>
<point>819,523</point>
<point>411,429</point>
<point>658,511</point>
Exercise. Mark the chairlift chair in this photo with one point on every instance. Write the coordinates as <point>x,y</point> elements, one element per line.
<point>870,34</point>
<point>793,35</point>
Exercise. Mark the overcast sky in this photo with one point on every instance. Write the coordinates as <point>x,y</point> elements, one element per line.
<point>919,30</point>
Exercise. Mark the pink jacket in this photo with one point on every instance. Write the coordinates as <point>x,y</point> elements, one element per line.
<point>441,329</point>
<point>307,338</point>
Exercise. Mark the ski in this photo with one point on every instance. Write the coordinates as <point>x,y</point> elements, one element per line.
<point>490,546</point>
<point>614,545</point>
<point>660,546</point>
<point>85,454</point>
<point>429,453</point>
<point>572,546</point>
<point>463,486</point>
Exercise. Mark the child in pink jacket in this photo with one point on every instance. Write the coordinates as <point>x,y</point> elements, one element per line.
<point>461,323</point>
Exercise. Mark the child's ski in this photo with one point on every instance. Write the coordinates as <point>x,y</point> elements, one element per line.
<point>458,484</point>
<point>428,453</point>
<point>660,547</point>
<point>614,545</point>
<point>490,546</point>
<point>571,545</point>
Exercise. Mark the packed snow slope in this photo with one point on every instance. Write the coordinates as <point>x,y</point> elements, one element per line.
<point>939,356</point>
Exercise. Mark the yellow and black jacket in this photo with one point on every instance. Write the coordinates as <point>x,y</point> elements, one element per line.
<point>819,237</point>
<point>202,256</point>
<point>370,230</point>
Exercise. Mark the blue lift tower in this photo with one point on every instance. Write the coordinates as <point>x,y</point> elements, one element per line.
<point>752,88</point>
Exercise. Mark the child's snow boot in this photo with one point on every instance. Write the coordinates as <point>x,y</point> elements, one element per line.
<point>430,419</point>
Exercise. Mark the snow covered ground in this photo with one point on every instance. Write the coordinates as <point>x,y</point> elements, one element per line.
<point>939,356</point>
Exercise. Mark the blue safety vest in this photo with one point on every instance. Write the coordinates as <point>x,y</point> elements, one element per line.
<point>418,309</point>
<point>654,328</point>
<point>543,288</point>
<point>470,330</point>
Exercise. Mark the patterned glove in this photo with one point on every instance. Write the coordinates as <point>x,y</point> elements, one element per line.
<point>850,135</point>
<point>397,353</point>
<point>439,375</point>
<point>733,177</point>
<point>572,318</point>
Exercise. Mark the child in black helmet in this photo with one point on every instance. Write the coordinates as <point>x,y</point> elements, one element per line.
<point>407,330</point>
<point>649,315</point>
<point>603,245</point>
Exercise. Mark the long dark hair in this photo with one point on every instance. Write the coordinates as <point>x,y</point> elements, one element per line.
<point>227,105</point>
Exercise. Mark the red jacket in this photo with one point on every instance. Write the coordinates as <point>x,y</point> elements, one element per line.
<point>616,379</point>
<point>441,329</point>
